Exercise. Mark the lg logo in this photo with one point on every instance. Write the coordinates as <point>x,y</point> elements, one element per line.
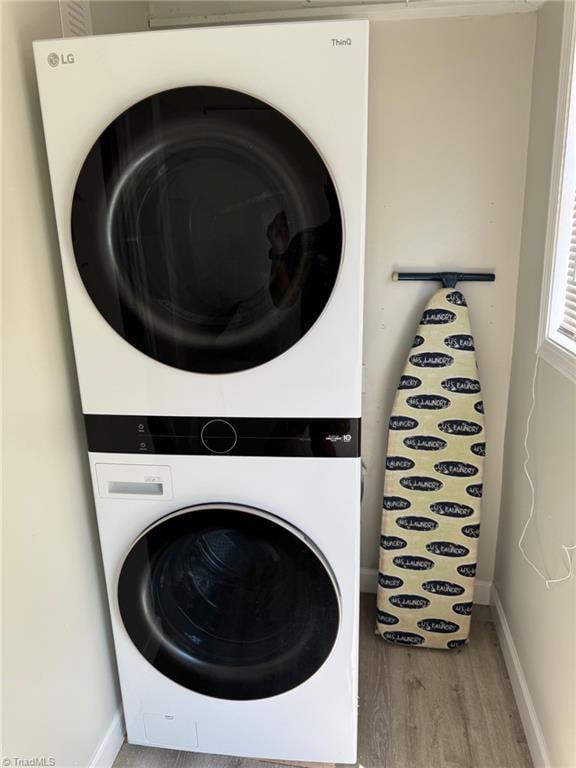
<point>55,59</point>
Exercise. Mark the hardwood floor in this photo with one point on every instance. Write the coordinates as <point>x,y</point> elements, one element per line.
<point>424,708</point>
<point>419,708</point>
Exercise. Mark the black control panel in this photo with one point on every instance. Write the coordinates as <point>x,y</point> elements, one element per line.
<point>190,435</point>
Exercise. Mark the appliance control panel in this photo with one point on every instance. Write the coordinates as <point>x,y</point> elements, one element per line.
<point>203,436</point>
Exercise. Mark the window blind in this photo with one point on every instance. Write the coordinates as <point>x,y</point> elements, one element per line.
<point>568,322</point>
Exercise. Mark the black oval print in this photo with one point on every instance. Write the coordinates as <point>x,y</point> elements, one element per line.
<point>413,563</point>
<point>404,638</point>
<point>456,468</point>
<point>472,531</point>
<point>455,643</point>
<point>461,385</point>
<point>468,570</point>
<point>456,298</point>
<point>398,462</point>
<point>409,382</point>
<point>395,502</point>
<point>431,360</point>
<point>443,588</point>
<point>459,427</point>
<point>479,406</point>
<point>474,490</point>
<point>463,609</point>
<point>428,402</point>
<point>461,341</point>
<point>418,341</point>
<point>437,317</point>
<point>389,582</point>
<point>447,549</point>
<point>413,523</point>
<point>386,618</point>
<point>478,449</point>
<point>425,443</point>
<point>438,625</point>
<point>402,422</point>
<point>392,542</point>
<point>409,601</point>
<point>420,483</point>
<point>451,509</point>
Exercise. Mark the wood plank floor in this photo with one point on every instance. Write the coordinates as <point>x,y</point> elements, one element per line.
<point>418,709</point>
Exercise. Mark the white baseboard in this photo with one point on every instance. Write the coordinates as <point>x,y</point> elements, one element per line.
<point>482,592</point>
<point>369,583</point>
<point>368,580</point>
<point>108,748</point>
<point>532,728</point>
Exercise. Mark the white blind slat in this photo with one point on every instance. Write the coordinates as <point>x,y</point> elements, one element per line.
<point>568,322</point>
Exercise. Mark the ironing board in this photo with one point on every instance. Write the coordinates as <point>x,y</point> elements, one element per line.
<point>433,485</point>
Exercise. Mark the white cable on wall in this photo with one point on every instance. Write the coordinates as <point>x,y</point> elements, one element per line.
<point>547,581</point>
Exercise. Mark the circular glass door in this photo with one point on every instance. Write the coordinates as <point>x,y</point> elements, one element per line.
<point>206,229</point>
<point>229,601</point>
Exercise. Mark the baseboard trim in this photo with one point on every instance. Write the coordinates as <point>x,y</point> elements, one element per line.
<point>369,583</point>
<point>482,592</point>
<point>532,728</point>
<point>368,580</point>
<point>111,743</point>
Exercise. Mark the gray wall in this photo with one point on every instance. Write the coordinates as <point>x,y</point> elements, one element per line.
<point>542,622</point>
<point>58,679</point>
<point>448,131</point>
<point>114,16</point>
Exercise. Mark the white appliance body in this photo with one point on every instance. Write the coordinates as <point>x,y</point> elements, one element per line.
<point>315,74</point>
<point>320,497</point>
<point>245,414</point>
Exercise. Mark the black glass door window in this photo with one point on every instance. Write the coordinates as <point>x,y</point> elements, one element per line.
<point>229,602</point>
<point>207,230</point>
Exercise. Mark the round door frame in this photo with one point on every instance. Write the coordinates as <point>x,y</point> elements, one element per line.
<point>257,513</point>
<point>169,346</point>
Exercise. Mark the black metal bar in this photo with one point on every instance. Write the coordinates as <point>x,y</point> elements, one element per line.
<point>448,279</point>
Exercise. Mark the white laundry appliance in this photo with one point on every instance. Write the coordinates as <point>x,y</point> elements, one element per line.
<point>233,588</point>
<point>209,189</point>
<point>209,193</point>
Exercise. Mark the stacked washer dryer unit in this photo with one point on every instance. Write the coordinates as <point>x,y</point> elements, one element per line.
<point>209,190</point>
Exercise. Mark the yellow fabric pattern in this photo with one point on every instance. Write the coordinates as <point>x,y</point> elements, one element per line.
<point>433,485</point>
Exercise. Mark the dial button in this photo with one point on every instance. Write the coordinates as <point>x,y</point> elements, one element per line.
<point>218,436</point>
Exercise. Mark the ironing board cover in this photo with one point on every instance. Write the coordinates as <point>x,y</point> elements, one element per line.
<point>433,485</point>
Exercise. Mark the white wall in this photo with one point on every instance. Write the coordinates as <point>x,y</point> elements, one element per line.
<point>449,113</point>
<point>115,16</point>
<point>59,686</point>
<point>542,623</point>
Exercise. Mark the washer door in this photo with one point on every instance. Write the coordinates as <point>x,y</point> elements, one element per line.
<point>207,229</point>
<point>229,601</point>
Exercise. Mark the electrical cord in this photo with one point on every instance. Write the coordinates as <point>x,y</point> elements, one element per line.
<point>566,549</point>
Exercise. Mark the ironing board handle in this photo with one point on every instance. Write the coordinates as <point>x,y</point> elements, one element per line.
<point>448,279</point>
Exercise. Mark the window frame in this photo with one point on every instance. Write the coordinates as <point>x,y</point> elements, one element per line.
<point>554,347</point>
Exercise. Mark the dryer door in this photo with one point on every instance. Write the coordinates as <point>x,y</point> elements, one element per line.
<point>207,230</point>
<point>229,601</point>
